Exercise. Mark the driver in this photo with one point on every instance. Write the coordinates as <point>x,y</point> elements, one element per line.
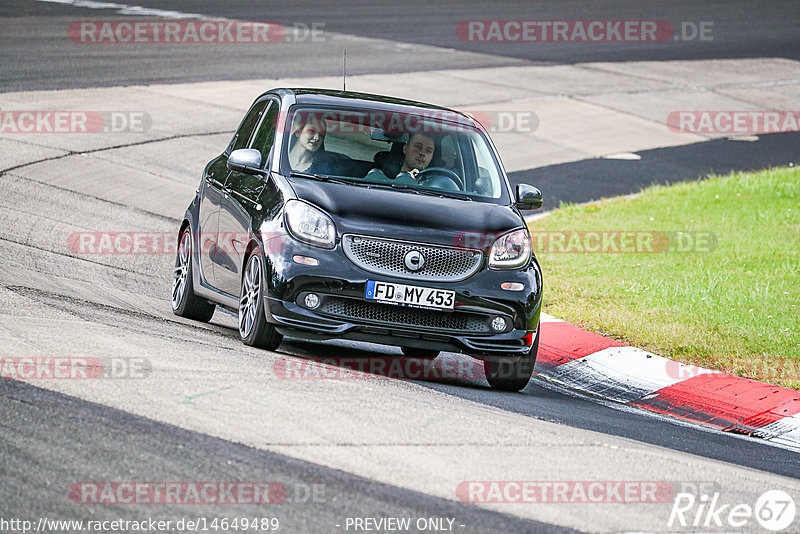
<point>417,155</point>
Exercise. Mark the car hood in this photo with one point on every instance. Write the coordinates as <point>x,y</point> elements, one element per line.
<point>398,214</point>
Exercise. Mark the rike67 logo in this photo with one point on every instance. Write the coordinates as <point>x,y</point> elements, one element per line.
<point>774,510</point>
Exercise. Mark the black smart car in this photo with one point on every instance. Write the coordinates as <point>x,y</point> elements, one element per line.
<point>357,216</point>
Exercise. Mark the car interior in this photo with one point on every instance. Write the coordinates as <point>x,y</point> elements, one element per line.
<point>355,155</point>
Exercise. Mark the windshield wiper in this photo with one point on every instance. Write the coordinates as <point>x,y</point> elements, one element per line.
<point>444,194</point>
<point>383,185</point>
<point>326,178</point>
<point>403,187</point>
<point>417,191</point>
<point>320,177</point>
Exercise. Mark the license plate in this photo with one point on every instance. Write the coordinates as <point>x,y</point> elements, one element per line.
<point>417,297</point>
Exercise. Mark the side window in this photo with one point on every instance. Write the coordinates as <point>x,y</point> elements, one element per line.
<point>451,157</point>
<point>487,182</point>
<point>265,135</point>
<point>245,131</point>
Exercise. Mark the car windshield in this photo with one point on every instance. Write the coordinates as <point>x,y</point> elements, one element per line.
<point>432,152</point>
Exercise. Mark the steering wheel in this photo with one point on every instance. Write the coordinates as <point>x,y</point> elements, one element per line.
<point>440,171</point>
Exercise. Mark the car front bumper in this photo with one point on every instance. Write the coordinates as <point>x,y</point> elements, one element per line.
<point>344,312</point>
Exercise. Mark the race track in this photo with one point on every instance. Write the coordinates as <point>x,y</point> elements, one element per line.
<point>206,407</point>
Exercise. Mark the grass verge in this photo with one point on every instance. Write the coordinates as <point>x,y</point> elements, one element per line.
<point>705,272</point>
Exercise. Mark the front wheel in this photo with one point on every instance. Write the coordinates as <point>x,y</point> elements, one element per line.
<point>512,374</point>
<point>185,303</point>
<point>254,330</point>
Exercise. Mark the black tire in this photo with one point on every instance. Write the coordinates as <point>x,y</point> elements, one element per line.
<point>422,354</point>
<point>254,330</point>
<point>512,374</point>
<point>185,303</point>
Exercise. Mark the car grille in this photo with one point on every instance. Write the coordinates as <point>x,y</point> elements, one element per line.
<point>389,314</point>
<point>387,257</point>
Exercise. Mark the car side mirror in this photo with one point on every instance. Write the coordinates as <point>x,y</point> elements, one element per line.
<point>528,197</point>
<point>246,160</point>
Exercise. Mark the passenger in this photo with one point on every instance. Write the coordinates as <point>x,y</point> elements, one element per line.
<point>307,148</point>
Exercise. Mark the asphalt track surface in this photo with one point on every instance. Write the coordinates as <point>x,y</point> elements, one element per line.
<point>596,178</point>
<point>49,440</point>
<point>417,35</point>
<point>57,440</point>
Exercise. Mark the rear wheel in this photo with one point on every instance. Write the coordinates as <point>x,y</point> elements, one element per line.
<point>184,301</point>
<point>422,354</point>
<point>254,330</point>
<point>512,374</point>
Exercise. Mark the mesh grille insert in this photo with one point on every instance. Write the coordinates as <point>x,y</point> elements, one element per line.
<point>384,256</point>
<point>389,314</point>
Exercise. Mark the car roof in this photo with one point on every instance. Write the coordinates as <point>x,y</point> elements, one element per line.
<point>306,95</point>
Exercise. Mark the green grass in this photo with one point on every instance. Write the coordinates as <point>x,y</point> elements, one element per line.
<point>733,306</point>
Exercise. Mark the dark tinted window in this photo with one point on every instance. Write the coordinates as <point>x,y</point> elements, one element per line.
<point>375,146</point>
<point>245,132</point>
<point>266,132</point>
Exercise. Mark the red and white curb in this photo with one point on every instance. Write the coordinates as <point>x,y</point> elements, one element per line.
<point>591,363</point>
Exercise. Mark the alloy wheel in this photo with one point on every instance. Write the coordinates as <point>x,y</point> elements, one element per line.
<point>249,300</point>
<point>180,274</point>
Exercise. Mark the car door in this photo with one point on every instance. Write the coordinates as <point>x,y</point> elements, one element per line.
<point>208,217</point>
<point>239,203</point>
<point>214,178</point>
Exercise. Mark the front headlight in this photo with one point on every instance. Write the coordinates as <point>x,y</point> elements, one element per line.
<point>511,250</point>
<point>309,224</point>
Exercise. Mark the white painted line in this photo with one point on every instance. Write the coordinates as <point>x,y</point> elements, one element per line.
<point>622,374</point>
<point>628,156</point>
<point>137,11</point>
<point>552,385</point>
<point>536,216</point>
<point>791,438</point>
<point>786,431</point>
<point>547,318</point>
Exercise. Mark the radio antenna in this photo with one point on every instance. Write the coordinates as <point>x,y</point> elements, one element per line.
<point>344,71</point>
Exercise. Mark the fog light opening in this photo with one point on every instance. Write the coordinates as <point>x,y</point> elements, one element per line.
<point>512,286</point>
<point>499,324</point>
<point>311,301</point>
<point>305,260</point>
